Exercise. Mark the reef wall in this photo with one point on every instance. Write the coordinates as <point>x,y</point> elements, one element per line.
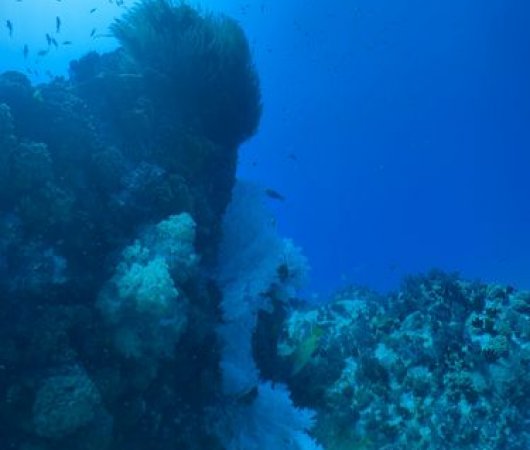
<point>113,184</point>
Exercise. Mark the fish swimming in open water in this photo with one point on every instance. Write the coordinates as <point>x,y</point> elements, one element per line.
<point>9,26</point>
<point>275,195</point>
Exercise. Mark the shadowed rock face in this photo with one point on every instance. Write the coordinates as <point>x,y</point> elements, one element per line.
<point>87,165</point>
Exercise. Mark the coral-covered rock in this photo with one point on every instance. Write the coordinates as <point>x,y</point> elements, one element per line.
<point>143,303</point>
<point>441,363</point>
<point>113,185</point>
<point>65,403</point>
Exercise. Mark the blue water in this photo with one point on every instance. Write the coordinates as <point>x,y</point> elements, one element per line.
<point>410,122</point>
<point>399,132</point>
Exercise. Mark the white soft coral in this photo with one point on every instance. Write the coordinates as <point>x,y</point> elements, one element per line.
<point>255,261</point>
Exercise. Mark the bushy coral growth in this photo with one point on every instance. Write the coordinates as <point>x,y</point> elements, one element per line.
<point>202,61</point>
<point>269,422</point>
<point>143,303</point>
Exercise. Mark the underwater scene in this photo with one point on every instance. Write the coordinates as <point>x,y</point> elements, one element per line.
<point>264,225</point>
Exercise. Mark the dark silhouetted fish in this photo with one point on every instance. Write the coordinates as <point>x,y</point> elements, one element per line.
<point>42,52</point>
<point>67,42</point>
<point>274,194</point>
<point>26,51</point>
<point>54,43</point>
<point>48,39</point>
<point>57,24</point>
<point>93,10</point>
<point>93,32</point>
<point>9,26</point>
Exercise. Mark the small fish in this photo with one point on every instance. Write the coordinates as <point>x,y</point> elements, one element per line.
<point>42,52</point>
<point>57,24</point>
<point>393,266</point>
<point>9,26</point>
<point>67,42</point>
<point>54,43</point>
<point>26,51</point>
<point>93,32</point>
<point>48,39</point>
<point>274,194</point>
<point>93,10</point>
<point>305,349</point>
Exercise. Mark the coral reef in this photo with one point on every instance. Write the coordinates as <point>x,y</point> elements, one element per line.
<point>442,363</point>
<point>147,300</point>
<point>113,185</point>
<point>200,61</point>
<point>65,403</point>
<point>144,302</point>
<point>260,273</point>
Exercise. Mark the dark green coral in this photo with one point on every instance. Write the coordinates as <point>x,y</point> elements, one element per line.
<point>202,63</point>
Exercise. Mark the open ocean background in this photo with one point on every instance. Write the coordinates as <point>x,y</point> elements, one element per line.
<point>398,131</point>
